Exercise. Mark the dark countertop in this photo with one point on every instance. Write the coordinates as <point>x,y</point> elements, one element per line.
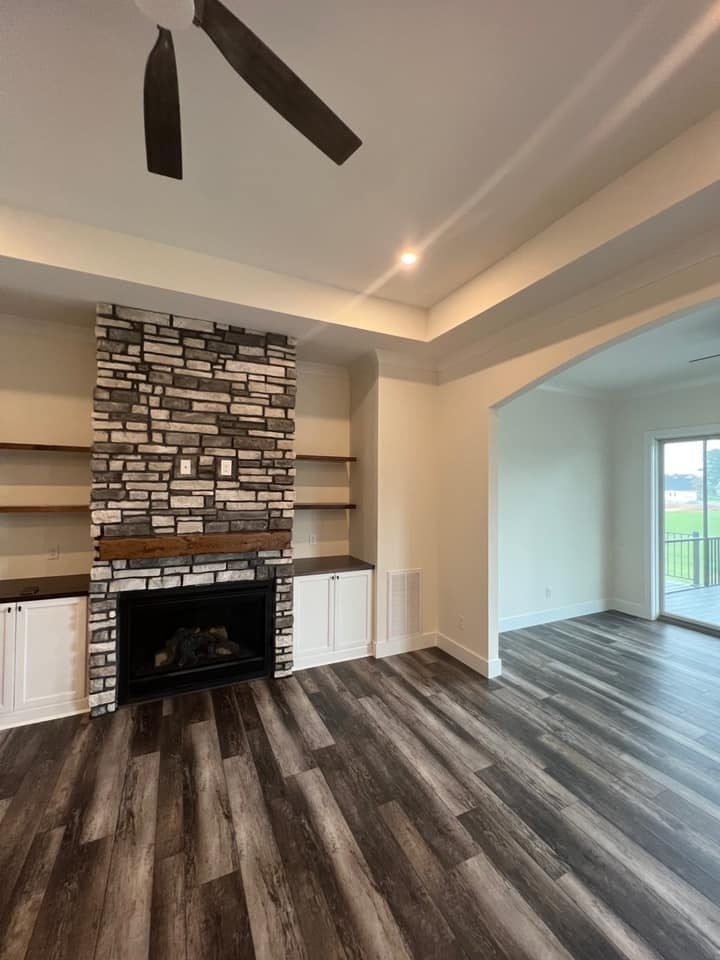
<point>310,565</point>
<point>51,588</point>
<point>44,588</point>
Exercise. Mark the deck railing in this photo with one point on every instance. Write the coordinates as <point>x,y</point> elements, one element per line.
<point>692,559</point>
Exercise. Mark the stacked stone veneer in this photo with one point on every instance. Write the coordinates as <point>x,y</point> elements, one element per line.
<point>168,386</point>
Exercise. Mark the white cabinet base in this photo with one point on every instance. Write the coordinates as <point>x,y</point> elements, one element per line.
<point>44,666</point>
<point>305,661</point>
<point>333,618</point>
<point>39,714</point>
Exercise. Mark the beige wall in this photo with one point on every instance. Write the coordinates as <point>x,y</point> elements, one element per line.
<point>364,445</point>
<point>554,511</point>
<point>322,419</point>
<point>407,531</point>
<point>47,372</point>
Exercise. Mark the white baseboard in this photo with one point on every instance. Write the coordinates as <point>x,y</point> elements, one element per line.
<point>324,657</point>
<point>21,718</point>
<point>389,648</point>
<point>557,613</point>
<point>627,606</point>
<point>488,668</point>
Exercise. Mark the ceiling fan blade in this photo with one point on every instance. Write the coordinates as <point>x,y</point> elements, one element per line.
<point>163,140</point>
<point>713,356</point>
<point>275,82</point>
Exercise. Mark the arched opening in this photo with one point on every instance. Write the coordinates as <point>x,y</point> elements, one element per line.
<point>607,493</point>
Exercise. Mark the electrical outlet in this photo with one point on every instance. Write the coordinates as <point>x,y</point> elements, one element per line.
<point>312,539</point>
<point>461,622</point>
<point>226,468</point>
<point>186,467</point>
<point>548,592</point>
<point>54,552</point>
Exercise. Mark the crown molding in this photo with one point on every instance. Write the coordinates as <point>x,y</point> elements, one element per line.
<point>400,366</point>
<point>588,393</point>
<point>669,386</point>
<point>81,329</point>
<point>310,368</point>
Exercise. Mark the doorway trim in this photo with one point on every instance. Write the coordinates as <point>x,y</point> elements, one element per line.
<point>652,497</point>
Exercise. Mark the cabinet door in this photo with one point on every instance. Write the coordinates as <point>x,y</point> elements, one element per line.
<point>7,656</point>
<point>313,628</point>
<point>50,654</point>
<point>352,610</point>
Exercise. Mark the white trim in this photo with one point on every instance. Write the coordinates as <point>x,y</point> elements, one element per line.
<point>402,366</point>
<point>323,657</point>
<point>20,718</point>
<point>651,508</point>
<point>323,369</point>
<point>556,613</point>
<point>667,386</point>
<point>627,606</point>
<point>489,669</point>
<point>389,648</point>
<point>77,322</point>
<point>589,393</point>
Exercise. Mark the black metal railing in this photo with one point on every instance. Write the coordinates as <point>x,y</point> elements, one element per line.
<point>692,559</point>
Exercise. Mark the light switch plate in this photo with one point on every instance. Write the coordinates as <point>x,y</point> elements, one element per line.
<point>226,468</point>
<point>185,468</point>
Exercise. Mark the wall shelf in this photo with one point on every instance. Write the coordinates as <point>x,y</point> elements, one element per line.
<point>326,506</point>
<point>45,447</point>
<point>319,458</point>
<point>73,508</point>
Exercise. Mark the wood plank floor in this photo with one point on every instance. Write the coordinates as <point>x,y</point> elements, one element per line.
<point>390,809</point>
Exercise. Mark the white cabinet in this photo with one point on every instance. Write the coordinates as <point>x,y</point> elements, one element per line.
<point>332,618</point>
<point>313,630</point>
<point>44,659</point>
<point>7,658</point>
<point>352,610</point>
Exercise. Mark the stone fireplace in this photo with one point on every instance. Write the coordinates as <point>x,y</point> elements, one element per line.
<point>192,487</point>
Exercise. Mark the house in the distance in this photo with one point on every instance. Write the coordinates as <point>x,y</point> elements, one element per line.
<point>680,488</point>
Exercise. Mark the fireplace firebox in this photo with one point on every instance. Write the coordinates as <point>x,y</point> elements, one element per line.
<point>173,641</point>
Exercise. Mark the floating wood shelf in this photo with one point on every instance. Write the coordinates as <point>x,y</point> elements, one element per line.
<point>319,458</point>
<point>326,506</point>
<point>74,508</point>
<point>45,447</point>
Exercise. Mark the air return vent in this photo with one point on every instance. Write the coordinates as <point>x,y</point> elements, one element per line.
<point>404,604</point>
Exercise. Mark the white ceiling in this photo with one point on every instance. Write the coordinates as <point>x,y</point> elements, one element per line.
<point>490,118</point>
<point>659,357</point>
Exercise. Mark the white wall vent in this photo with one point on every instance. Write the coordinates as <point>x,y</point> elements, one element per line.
<point>404,604</point>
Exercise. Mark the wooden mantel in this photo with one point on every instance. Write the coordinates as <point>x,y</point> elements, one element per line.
<point>191,544</point>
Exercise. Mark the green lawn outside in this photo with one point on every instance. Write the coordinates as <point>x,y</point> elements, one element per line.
<point>689,519</point>
<point>680,560</point>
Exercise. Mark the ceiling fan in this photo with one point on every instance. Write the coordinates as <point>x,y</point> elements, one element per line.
<point>712,356</point>
<point>255,62</point>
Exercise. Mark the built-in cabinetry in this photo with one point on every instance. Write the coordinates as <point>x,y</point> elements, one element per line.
<point>43,659</point>
<point>333,617</point>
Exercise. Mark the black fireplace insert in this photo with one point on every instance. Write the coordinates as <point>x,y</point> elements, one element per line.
<point>191,638</point>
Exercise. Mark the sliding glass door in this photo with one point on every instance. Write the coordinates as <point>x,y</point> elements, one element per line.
<point>690,533</point>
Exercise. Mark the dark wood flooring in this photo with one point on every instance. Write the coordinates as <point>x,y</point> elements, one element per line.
<point>390,809</point>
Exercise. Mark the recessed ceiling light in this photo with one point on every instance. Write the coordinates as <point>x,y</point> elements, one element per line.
<point>409,258</point>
